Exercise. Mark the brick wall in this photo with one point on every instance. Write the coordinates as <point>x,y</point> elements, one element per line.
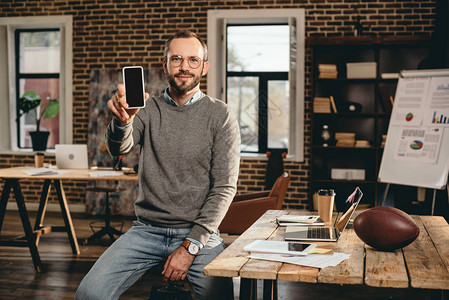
<point>112,34</point>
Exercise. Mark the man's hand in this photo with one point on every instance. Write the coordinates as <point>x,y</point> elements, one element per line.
<point>177,265</point>
<point>119,108</point>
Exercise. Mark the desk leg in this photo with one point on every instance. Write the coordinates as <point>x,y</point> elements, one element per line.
<point>248,289</point>
<point>26,225</point>
<point>4,201</point>
<point>42,207</point>
<point>270,289</point>
<point>66,215</point>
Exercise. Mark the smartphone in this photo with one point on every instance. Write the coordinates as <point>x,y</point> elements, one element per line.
<point>134,86</point>
<point>299,247</point>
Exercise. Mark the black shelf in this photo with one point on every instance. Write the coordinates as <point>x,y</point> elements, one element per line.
<point>371,122</point>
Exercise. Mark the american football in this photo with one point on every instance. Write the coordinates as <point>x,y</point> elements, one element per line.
<point>386,228</point>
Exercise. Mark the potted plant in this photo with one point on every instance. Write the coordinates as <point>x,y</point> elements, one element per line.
<point>29,101</point>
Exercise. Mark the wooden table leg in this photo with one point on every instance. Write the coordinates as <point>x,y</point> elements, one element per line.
<point>4,201</point>
<point>42,205</point>
<point>39,223</point>
<point>66,215</point>
<point>31,241</point>
<point>248,289</point>
<point>270,289</point>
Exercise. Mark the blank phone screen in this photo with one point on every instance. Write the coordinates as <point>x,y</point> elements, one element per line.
<point>297,246</point>
<point>133,78</point>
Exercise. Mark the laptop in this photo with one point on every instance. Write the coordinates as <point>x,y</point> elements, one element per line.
<point>70,156</point>
<point>326,234</point>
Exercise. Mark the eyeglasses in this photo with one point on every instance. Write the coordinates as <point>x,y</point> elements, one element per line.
<point>193,61</point>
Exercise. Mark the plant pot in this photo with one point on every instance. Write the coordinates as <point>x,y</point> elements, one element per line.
<point>39,140</point>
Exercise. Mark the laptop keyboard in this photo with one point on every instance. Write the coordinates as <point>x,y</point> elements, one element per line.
<point>318,233</point>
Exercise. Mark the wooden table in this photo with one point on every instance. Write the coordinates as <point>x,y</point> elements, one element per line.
<point>424,264</point>
<point>12,177</point>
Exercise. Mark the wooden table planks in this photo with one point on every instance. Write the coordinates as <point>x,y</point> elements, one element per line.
<point>230,262</point>
<point>349,271</point>
<point>385,269</point>
<point>424,264</point>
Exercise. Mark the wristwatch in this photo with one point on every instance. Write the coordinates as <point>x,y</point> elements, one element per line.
<point>192,248</point>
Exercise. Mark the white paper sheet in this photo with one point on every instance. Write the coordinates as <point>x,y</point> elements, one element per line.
<point>420,144</point>
<point>311,260</point>
<point>44,171</point>
<point>410,100</point>
<point>437,112</point>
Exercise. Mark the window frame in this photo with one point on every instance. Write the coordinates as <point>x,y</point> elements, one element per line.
<point>264,77</point>
<point>8,92</point>
<point>217,21</point>
<point>20,75</point>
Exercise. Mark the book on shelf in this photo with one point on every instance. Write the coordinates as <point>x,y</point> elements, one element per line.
<point>327,71</point>
<point>389,75</point>
<point>334,107</point>
<point>345,135</point>
<point>345,139</point>
<point>321,105</point>
<point>345,143</point>
<point>299,220</point>
<point>279,247</point>
<point>362,144</point>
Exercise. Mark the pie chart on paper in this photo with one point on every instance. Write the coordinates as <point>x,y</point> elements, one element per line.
<point>416,145</point>
<point>409,117</point>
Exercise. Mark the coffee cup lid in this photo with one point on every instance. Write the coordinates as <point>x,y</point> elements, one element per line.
<point>326,192</point>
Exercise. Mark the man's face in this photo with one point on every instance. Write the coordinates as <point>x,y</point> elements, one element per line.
<point>184,78</point>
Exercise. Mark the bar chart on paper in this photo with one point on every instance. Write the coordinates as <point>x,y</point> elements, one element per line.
<point>441,119</point>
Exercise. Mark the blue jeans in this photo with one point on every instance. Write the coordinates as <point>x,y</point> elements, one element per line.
<point>143,247</point>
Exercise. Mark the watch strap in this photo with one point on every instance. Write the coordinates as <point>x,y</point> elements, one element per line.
<point>186,244</point>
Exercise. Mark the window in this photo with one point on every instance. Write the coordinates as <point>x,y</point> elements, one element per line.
<point>37,53</point>
<point>257,84</point>
<point>257,67</point>
<point>37,71</point>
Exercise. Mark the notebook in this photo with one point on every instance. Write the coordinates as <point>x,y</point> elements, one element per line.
<point>326,234</point>
<point>69,156</point>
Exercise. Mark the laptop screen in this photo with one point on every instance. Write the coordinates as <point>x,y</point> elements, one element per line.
<point>351,204</point>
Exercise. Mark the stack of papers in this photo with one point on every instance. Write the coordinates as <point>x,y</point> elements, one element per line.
<point>39,171</point>
<point>311,260</point>
<point>293,220</point>
<point>279,247</point>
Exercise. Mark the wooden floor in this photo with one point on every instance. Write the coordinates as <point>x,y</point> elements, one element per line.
<point>64,271</point>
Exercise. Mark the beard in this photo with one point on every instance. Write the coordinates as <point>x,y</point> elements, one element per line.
<point>184,87</point>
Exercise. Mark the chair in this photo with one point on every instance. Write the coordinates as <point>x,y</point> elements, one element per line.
<point>246,208</point>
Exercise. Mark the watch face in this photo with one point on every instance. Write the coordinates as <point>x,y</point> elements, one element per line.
<point>193,248</point>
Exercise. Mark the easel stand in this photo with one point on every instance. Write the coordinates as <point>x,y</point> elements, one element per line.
<point>433,198</point>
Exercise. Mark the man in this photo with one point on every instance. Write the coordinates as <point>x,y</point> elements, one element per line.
<point>188,168</point>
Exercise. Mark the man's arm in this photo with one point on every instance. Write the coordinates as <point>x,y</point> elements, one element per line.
<point>119,138</point>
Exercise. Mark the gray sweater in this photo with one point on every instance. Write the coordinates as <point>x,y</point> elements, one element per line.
<point>188,166</point>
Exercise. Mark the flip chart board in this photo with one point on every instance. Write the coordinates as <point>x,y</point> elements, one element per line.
<point>417,147</point>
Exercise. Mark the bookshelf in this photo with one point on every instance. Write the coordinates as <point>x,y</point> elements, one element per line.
<point>363,105</point>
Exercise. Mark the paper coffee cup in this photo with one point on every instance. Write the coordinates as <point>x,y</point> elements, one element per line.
<point>325,201</point>
<point>39,160</point>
